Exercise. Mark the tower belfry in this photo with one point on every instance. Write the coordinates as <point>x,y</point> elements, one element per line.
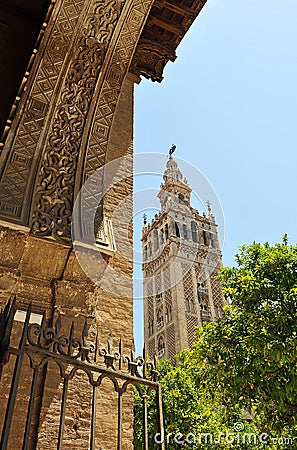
<point>181,258</point>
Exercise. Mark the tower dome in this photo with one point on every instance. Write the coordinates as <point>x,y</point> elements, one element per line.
<point>172,172</point>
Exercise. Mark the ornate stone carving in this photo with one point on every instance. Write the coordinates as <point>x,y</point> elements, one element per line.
<point>107,100</point>
<point>54,194</point>
<point>150,60</point>
<point>26,132</point>
<point>52,216</point>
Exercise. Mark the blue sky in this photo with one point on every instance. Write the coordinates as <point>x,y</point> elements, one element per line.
<point>229,103</point>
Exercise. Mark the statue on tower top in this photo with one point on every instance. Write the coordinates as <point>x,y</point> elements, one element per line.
<point>171,151</point>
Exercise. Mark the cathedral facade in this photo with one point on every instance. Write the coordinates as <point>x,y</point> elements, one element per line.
<point>181,259</point>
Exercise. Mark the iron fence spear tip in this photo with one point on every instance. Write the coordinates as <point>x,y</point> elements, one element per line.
<point>71,332</point>
<point>120,352</point>
<point>85,330</point>
<point>109,342</point>
<point>58,324</point>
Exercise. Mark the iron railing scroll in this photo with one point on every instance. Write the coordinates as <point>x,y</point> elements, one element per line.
<point>43,344</point>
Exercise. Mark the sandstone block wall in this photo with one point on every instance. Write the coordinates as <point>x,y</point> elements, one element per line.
<point>48,275</point>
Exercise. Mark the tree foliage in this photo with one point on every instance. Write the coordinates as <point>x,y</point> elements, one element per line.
<point>242,369</point>
<point>250,357</point>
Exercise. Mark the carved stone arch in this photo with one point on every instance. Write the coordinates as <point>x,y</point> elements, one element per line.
<point>103,35</point>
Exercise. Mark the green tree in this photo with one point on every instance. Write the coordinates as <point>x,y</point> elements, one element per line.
<point>250,357</point>
<point>241,370</point>
<point>193,418</point>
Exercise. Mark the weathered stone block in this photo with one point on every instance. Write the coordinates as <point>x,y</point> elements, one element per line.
<point>43,259</point>
<point>12,244</point>
<point>7,280</point>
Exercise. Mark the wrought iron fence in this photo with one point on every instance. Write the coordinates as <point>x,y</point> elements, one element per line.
<point>43,344</point>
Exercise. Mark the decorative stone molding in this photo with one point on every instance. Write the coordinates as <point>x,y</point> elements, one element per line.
<point>55,187</point>
<point>27,135</point>
<point>150,60</point>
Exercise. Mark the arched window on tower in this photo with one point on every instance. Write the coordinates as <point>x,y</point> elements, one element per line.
<point>161,346</point>
<point>168,314</point>
<point>204,236</point>
<point>166,231</point>
<point>194,231</point>
<point>185,231</point>
<point>205,312</point>
<point>211,240</point>
<point>177,233</point>
<point>191,306</point>
<point>159,297</point>
<point>162,236</point>
<point>218,311</point>
<point>156,238</point>
<point>181,198</point>
<point>160,319</point>
<point>202,291</point>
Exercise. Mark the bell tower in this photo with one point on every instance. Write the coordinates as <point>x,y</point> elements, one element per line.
<point>181,258</point>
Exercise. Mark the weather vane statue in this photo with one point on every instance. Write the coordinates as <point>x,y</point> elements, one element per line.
<point>172,150</point>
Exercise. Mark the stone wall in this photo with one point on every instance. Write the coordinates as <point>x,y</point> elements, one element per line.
<point>48,275</point>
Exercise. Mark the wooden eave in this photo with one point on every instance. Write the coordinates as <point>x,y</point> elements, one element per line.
<point>167,24</point>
